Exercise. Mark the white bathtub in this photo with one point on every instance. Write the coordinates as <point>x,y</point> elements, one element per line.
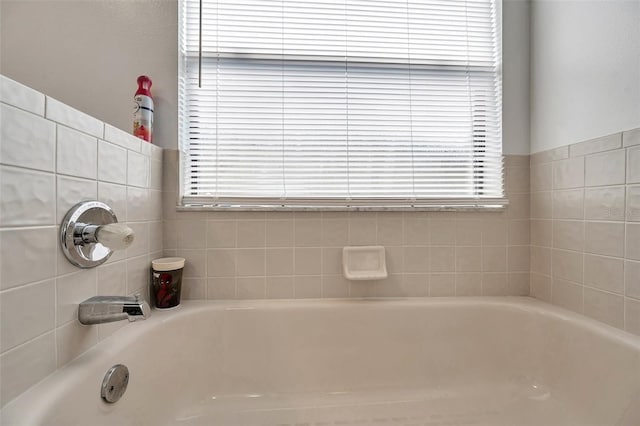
<point>480,361</point>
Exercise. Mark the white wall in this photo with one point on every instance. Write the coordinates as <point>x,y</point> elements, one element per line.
<point>585,75</point>
<point>515,76</point>
<point>41,141</point>
<point>89,53</point>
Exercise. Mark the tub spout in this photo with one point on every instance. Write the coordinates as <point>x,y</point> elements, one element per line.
<point>101,309</point>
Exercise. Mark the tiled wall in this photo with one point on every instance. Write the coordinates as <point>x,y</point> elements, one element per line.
<point>248,255</point>
<point>585,228</point>
<point>51,157</point>
<point>580,249</point>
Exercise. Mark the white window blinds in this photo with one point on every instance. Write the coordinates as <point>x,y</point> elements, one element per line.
<point>340,103</point>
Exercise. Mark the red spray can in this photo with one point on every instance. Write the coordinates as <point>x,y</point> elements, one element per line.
<point>143,110</point>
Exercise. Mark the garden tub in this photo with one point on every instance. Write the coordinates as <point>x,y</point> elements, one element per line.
<point>436,361</point>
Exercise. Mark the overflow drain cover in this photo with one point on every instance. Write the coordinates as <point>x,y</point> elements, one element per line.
<point>114,383</point>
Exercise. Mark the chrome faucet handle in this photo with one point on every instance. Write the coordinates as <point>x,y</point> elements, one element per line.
<point>90,232</point>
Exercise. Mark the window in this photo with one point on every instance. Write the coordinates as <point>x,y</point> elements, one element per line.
<point>347,104</point>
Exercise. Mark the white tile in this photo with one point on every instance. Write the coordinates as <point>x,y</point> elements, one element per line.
<point>221,263</point>
<point>112,279</point>
<point>606,273</point>
<point>191,234</point>
<point>567,294</point>
<point>156,152</point>
<point>26,365</point>
<point>568,173</point>
<point>251,233</point>
<point>251,287</point>
<point>145,148</point>
<point>137,170</point>
<point>519,207</point>
<point>541,177</point>
<point>568,234</point>
<point>137,204</point>
<point>170,170</point>
<point>331,261</point>
<point>282,287</point>
<point>27,197</point>
<point>155,178</point>
<point>550,155</point>
<point>194,288</point>
<point>279,261</point>
<point>541,205</point>
<point>604,203</point>
<point>26,140</point>
<point>568,204</point>
<point>605,169</point>
<point>251,262</point>
<point>567,265</point>
<point>494,231</point>
<point>169,235</point>
<point>605,307</point>
<point>390,229</point>
<point>362,230</point>
<point>138,273</point>
<point>632,316</point>
<point>416,259</point>
<point>63,266</point>
<point>115,196</point>
<point>155,205</point>
<point>77,154</point>
<point>107,329</point>
<point>73,339</point>
<point>632,250</point>
<point>307,261</point>
<point>140,244</point>
<point>64,114</point>
<point>442,285</point>
<point>306,287</point>
<point>26,312</point>
<point>605,143</point>
<point>155,236</point>
<point>604,238</point>
<point>633,165</point>
<point>71,191</point>
<point>222,233</point>
<point>540,287</point>
<point>112,163</point>
<point>195,263</point>
<point>221,288</point>
<point>27,255</point>
<point>416,231</point>
<point>468,232</point>
<point>169,201</point>
<point>633,203</point>
<point>21,96</point>
<point>631,137</point>
<point>469,284</point>
<point>122,138</point>
<point>632,279</point>
<point>71,290</point>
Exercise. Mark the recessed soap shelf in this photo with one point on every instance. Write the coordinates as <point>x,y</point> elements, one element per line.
<point>364,263</point>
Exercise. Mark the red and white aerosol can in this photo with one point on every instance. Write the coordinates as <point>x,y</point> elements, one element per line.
<point>143,110</point>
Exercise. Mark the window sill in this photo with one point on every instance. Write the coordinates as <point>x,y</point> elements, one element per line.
<point>363,208</point>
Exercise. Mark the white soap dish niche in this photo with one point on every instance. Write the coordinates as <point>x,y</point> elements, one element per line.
<point>364,263</point>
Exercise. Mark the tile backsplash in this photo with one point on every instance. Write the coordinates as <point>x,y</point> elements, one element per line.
<point>256,255</point>
<point>585,228</point>
<point>570,235</point>
<point>51,157</point>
